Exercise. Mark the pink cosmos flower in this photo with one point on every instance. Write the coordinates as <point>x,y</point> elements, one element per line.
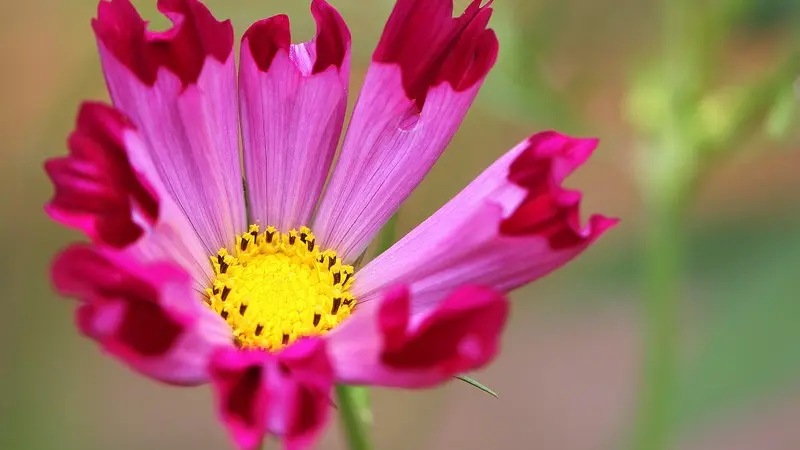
<point>194,276</point>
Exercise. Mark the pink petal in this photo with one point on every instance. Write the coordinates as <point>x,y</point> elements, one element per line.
<point>182,50</point>
<point>513,224</point>
<point>147,315</point>
<point>293,102</point>
<point>432,47</point>
<point>179,88</point>
<point>425,74</point>
<point>107,188</point>
<point>387,344</point>
<point>96,188</point>
<point>285,393</point>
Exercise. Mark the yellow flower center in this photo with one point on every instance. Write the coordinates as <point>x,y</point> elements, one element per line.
<point>279,287</point>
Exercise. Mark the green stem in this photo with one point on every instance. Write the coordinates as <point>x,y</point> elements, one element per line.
<point>673,167</point>
<point>354,401</point>
<point>666,176</point>
<point>355,415</point>
<point>662,286</point>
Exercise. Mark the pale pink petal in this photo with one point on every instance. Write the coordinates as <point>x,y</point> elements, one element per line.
<point>286,394</point>
<point>106,187</point>
<point>513,224</point>
<point>145,314</point>
<point>425,73</point>
<point>387,344</point>
<point>293,100</point>
<point>179,88</point>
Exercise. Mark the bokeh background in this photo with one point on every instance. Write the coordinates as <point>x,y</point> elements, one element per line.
<point>570,370</point>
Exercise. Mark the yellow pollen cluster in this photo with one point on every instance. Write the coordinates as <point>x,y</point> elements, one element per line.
<point>279,287</point>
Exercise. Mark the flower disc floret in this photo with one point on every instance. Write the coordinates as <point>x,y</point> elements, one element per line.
<point>279,287</point>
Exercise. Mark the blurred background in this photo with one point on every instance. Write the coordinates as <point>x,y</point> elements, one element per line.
<point>700,156</point>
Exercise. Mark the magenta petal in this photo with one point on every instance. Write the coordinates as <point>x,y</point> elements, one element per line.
<point>293,101</point>
<point>387,344</point>
<point>179,88</point>
<point>147,315</point>
<point>431,46</point>
<point>97,189</point>
<point>423,78</point>
<point>183,49</point>
<point>285,393</point>
<point>513,224</point>
<point>108,188</point>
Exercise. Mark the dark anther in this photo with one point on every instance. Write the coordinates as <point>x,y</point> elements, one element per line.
<point>254,234</point>
<point>223,267</point>
<point>259,329</point>
<point>220,259</point>
<point>346,277</point>
<point>317,318</point>
<point>331,262</point>
<point>285,339</point>
<point>337,277</point>
<point>321,258</point>
<point>224,314</point>
<point>337,302</point>
<point>348,302</point>
<point>292,238</point>
<point>269,236</point>
<point>215,290</point>
<point>242,309</point>
<point>225,292</point>
<point>244,243</point>
<point>237,342</point>
<point>303,237</point>
<point>310,245</point>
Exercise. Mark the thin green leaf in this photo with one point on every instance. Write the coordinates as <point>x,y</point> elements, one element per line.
<point>477,384</point>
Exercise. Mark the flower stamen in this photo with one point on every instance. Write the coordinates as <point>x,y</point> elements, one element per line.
<point>279,287</point>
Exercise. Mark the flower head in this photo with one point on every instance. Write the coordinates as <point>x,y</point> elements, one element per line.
<point>192,277</point>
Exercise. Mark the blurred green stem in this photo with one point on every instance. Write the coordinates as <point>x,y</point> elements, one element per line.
<point>666,177</point>
<point>662,281</point>
<point>673,165</point>
<point>685,139</point>
<point>356,416</point>
<point>354,401</point>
